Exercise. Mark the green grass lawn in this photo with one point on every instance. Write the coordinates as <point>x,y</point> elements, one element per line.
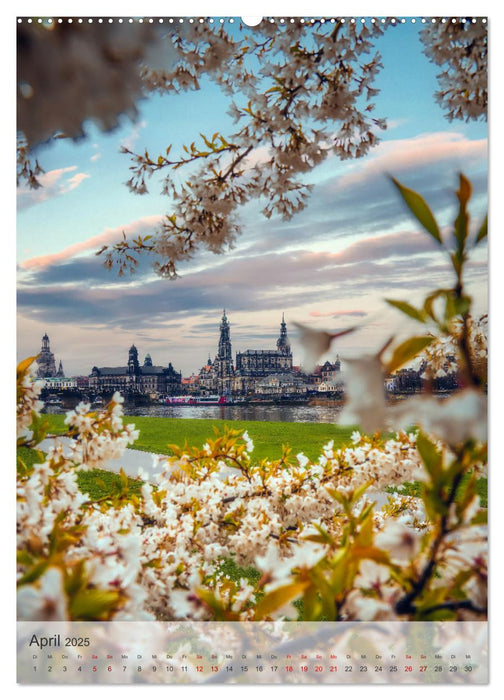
<point>97,483</point>
<point>156,433</point>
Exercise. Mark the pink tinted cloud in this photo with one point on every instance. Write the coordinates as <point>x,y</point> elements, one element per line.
<point>142,226</point>
<point>54,183</point>
<point>408,154</point>
<point>74,181</point>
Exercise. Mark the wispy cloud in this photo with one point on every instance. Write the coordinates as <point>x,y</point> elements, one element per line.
<point>130,140</point>
<point>53,184</point>
<point>402,155</point>
<point>142,226</point>
<point>357,313</point>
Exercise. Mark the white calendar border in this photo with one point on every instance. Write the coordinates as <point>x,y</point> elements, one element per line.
<point>271,8</point>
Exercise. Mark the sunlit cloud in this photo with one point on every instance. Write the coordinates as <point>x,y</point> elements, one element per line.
<point>53,184</point>
<point>410,154</point>
<point>142,226</point>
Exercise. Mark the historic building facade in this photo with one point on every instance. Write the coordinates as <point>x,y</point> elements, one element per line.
<point>46,362</point>
<point>222,377</point>
<point>260,363</point>
<point>136,378</point>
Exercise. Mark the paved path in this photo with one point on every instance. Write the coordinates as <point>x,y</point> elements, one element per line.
<point>131,460</point>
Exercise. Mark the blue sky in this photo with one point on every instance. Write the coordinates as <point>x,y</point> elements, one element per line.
<point>329,266</point>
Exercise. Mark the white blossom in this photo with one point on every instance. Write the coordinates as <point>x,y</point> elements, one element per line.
<point>400,541</point>
<point>45,600</point>
<point>365,405</point>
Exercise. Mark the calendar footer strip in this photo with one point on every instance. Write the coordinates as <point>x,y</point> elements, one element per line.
<point>252,652</point>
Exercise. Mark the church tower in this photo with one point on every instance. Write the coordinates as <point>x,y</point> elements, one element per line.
<point>148,361</point>
<point>283,345</point>
<point>224,355</point>
<point>133,366</point>
<point>45,359</point>
<point>60,372</point>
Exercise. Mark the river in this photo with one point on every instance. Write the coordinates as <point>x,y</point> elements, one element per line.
<point>285,413</point>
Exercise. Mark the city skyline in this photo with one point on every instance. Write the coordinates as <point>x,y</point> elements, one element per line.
<point>146,355</point>
<point>331,266</point>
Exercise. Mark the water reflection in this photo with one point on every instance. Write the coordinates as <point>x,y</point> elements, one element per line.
<point>326,413</point>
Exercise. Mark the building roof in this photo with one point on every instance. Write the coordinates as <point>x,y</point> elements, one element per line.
<point>116,371</point>
<point>155,369</point>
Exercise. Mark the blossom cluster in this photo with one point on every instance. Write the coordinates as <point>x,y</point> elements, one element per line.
<point>99,438</point>
<point>323,531</point>
<point>290,115</point>
<point>461,50</point>
<point>28,402</point>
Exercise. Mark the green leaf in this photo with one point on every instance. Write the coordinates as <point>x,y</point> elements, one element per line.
<point>279,597</point>
<point>312,608</point>
<point>483,232</point>
<point>324,537</point>
<point>24,558</point>
<point>407,351</point>
<point>431,298</point>
<point>420,210</point>
<point>361,490</point>
<point>462,221</point>
<point>409,310</point>
<point>326,593</point>
<point>93,604</point>
<point>34,573</point>
<point>77,578</point>
<point>431,456</point>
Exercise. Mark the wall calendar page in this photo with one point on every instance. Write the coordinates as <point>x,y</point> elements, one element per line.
<point>252,337</point>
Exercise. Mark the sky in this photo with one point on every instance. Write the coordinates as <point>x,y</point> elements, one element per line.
<point>331,266</point>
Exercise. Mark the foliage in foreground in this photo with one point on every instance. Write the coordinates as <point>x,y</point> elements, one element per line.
<point>310,527</point>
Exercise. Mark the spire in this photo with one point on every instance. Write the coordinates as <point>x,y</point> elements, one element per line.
<point>283,341</point>
<point>224,353</point>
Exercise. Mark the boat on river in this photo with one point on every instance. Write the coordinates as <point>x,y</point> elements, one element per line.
<point>198,400</point>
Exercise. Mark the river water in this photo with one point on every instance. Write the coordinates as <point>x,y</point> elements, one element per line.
<point>285,413</point>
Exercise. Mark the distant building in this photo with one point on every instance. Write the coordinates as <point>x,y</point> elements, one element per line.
<point>280,385</point>
<point>136,378</point>
<point>261,363</point>
<point>253,366</point>
<point>82,383</point>
<point>326,377</point>
<point>60,383</point>
<point>207,378</point>
<point>223,377</point>
<point>45,361</point>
